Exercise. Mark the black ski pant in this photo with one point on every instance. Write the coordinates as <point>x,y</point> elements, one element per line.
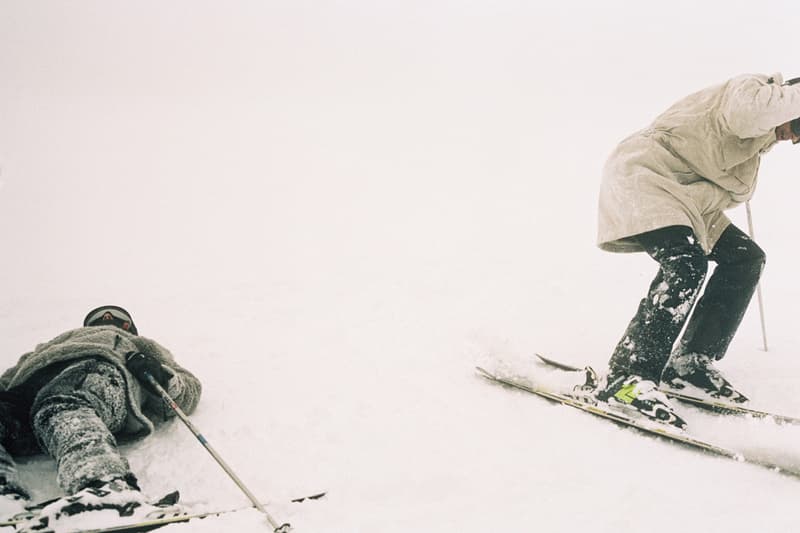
<point>73,417</point>
<point>648,342</point>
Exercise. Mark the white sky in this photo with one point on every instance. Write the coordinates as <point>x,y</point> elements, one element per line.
<point>144,138</point>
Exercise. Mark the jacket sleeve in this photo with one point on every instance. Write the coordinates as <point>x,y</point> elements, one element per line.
<point>756,105</point>
<point>184,388</point>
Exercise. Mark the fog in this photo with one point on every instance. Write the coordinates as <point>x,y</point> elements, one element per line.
<point>356,181</point>
<point>145,137</point>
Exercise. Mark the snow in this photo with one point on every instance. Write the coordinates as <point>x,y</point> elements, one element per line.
<point>331,212</point>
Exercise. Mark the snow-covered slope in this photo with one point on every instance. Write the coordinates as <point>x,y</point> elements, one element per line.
<point>332,212</point>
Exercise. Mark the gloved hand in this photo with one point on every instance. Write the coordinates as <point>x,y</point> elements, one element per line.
<point>139,363</point>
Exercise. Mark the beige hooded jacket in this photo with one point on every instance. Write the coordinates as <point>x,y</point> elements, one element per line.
<point>696,160</point>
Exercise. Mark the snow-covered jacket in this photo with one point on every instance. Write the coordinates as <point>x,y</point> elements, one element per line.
<point>694,161</point>
<point>111,344</point>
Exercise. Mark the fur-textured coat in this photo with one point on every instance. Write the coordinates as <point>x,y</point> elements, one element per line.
<point>694,161</point>
<point>111,344</point>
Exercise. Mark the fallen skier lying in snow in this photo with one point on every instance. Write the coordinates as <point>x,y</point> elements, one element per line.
<point>73,396</point>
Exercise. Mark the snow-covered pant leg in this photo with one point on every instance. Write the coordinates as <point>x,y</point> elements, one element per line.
<point>10,423</point>
<point>647,343</point>
<point>720,309</point>
<point>74,417</point>
<point>9,477</point>
<point>8,468</point>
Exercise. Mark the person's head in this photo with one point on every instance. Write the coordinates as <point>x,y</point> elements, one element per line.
<point>789,130</point>
<point>110,315</point>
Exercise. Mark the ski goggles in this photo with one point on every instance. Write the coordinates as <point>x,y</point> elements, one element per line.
<point>112,315</point>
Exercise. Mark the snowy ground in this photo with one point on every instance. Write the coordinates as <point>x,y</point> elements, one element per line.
<point>331,212</point>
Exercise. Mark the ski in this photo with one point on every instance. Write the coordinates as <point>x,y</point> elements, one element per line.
<point>150,525</point>
<point>155,523</point>
<point>704,403</point>
<point>602,410</point>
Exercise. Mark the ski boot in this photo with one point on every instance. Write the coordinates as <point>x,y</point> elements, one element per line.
<point>695,375</point>
<point>633,393</point>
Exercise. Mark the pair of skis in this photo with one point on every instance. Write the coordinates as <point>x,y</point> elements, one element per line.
<point>705,403</point>
<point>603,410</point>
<point>155,523</point>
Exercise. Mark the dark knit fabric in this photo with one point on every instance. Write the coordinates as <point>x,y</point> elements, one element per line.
<point>649,339</point>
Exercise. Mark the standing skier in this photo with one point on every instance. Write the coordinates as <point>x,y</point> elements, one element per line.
<point>71,396</point>
<point>664,192</point>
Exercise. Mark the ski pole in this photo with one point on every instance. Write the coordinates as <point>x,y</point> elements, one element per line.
<point>758,287</point>
<point>283,528</point>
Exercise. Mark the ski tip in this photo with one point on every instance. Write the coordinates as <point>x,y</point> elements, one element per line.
<point>312,497</point>
<point>484,373</point>
<point>557,364</point>
<point>549,361</point>
<point>169,499</point>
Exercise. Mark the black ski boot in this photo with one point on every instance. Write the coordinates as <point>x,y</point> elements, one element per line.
<point>694,374</point>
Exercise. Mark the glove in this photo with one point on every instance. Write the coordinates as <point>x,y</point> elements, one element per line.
<point>140,364</point>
